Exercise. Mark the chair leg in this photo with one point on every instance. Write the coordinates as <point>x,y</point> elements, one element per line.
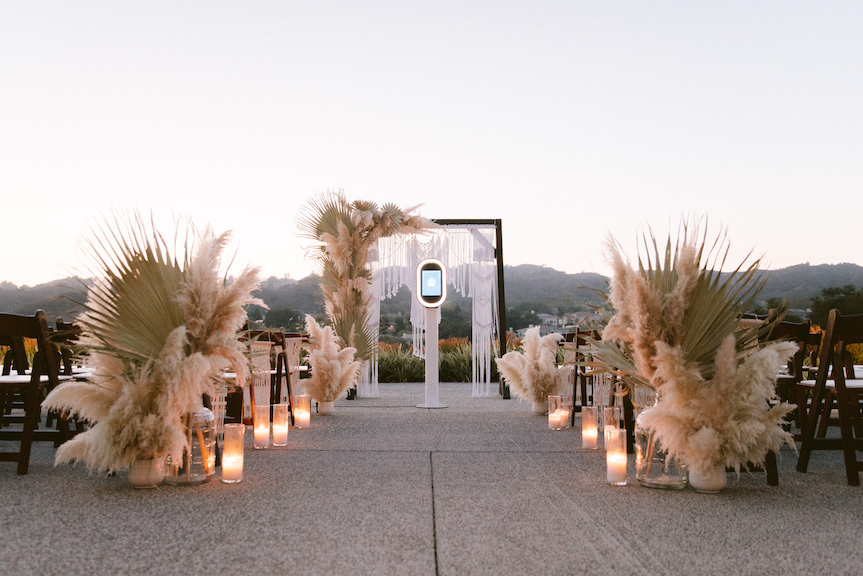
<point>825,414</point>
<point>771,468</point>
<point>848,445</point>
<point>290,395</point>
<point>31,410</point>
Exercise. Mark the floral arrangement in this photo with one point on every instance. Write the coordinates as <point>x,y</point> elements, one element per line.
<point>344,232</point>
<point>533,374</point>
<point>676,329</point>
<point>333,369</point>
<point>158,331</point>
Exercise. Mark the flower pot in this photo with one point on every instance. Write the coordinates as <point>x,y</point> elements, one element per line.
<point>147,473</point>
<point>709,481</point>
<point>539,407</point>
<point>325,407</point>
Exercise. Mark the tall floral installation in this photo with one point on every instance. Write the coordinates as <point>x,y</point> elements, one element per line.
<point>344,232</point>
<point>158,329</point>
<point>532,373</point>
<point>676,329</point>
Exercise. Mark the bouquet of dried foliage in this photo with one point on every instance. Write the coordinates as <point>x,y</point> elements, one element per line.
<point>676,329</point>
<point>344,232</point>
<point>532,373</point>
<point>157,330</point>
<point>333,369</point>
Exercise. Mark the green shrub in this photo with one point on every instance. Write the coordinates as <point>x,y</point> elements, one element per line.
<point>456,364</point>
<point>396,364</point>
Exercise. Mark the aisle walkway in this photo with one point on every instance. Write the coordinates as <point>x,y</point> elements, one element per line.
<point>382,487</point>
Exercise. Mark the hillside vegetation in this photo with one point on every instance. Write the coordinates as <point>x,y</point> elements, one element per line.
<point>527,287</point>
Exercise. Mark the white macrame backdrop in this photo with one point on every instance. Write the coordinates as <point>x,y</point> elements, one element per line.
<point>468,253</point>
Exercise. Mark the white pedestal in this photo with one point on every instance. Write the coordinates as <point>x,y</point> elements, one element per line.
<point>432,360</point>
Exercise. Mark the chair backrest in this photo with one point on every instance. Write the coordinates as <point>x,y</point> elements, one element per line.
<point>794,332</point>
<point>277,337</point>
<point>841,332</point>
<point>17,327</point>
<point>15,357</point>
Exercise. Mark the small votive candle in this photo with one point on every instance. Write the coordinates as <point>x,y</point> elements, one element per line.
<point>280,424</point>
<point>589,430</point>
<point>615,456</point>
<point>262,426</point>
<point>303,411</point>
<point>554,412</point>
<point>232,453</point>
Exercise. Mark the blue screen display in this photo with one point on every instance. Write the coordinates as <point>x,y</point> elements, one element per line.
<point>432,281</point>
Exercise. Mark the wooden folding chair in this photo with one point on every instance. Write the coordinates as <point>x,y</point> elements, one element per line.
<point>576,348</point>
<point>797,332</point>
<point>833,379</point>
<point>43,374</point>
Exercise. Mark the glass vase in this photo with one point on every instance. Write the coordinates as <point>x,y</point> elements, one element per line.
<point>198,463</point>
<point>654,467</point>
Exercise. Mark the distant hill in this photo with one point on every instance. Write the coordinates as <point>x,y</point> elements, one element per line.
<point>58,298</point>
<point>800,283</point>
<point>539,287</point>
<point>528,283</point>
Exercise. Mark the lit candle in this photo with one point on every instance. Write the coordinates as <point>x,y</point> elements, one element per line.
<point>262,426</point>
<point>615,457</point>
<point>589,430</point>
<point>302,418</point>
<point>554,419</point>
<point>280,424</point>
<point>232,468</point>
<point>232,455</point>
<point>554,412</point>
<point>303,410</point>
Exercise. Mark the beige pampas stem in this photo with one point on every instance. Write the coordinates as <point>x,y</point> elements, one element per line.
<point>533,374</point>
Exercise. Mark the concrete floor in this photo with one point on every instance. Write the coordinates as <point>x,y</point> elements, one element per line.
<point>382,487</point>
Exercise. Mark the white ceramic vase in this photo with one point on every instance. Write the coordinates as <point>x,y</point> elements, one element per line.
<point>325,407</point>
<point>147,473</point>
<point>710,481</point>
<point>539,407</point>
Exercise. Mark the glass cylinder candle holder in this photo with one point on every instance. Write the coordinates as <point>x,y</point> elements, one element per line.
<point>262,426</point>
<point>589,429</point>
<point>198,462</point>
<point>303,411</point>
<point>232,453</point>
<point>615,456</point>
<point>554,412</point>
<point>565,410</point>
<point>609,422</point>
<point>280,424</point>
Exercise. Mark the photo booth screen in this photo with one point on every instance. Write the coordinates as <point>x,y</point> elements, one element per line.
<point>431,283</point>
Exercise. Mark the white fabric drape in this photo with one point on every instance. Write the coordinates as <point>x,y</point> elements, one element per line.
<point>468,252</point>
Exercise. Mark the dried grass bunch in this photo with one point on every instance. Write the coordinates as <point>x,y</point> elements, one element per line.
<point>532,372</point>
<point>676,330</point>
<point>333,368</point>
<point>344,232</point>
<point>157,331</point>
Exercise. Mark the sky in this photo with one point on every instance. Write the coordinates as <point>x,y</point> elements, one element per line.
<point>571,121</point>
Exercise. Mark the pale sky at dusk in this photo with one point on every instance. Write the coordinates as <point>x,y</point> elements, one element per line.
<point>568,120</point>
